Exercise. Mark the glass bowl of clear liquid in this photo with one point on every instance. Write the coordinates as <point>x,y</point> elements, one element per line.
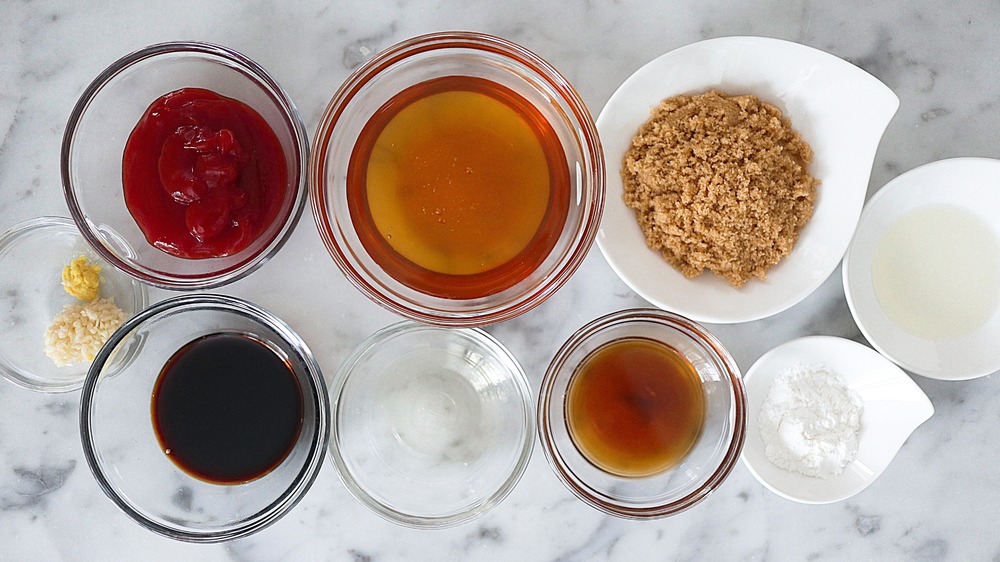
<point>432,426</point>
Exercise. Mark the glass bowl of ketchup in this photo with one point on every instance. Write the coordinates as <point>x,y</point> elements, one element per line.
<point>642,413</point>
<point>214,426</point>
<point>457,179</point>
<point>184,165</point>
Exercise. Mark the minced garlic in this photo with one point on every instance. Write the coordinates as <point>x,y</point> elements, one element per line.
<point>80,330</point>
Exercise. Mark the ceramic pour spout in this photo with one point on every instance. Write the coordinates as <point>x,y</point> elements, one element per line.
<point>840,109</point>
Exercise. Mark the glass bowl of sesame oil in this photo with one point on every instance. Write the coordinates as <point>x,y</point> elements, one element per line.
<point>642,413</point>
<point>458,179</point>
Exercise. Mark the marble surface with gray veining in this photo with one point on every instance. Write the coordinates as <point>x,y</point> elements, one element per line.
<point>938,500</point>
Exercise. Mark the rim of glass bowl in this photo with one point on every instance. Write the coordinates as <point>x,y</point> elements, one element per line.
<point>708,342</point>
<point>380,338</point>
<point>281,99</point>
<point>317,451</point>
<point>345,256</point>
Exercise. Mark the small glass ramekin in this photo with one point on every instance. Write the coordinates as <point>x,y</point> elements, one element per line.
<point>32,257</point>
<point>99,127</point>
<point>425,58</point>
<point>713,455</point>
<point>122,448</point>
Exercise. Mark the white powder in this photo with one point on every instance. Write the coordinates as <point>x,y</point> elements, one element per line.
<point>810,421</point>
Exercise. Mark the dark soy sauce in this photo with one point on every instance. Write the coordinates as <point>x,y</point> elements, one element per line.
<point>226,408</point>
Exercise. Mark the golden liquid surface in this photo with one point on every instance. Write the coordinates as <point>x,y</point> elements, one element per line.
<point>459,177</point>
<point>635,407</point>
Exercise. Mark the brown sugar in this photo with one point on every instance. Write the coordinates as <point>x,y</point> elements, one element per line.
<point>719,182</point>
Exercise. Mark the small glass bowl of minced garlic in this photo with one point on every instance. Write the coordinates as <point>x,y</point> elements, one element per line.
<point>62,303</point>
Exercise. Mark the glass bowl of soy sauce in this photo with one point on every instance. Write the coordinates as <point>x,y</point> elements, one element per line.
<point>216,425</point>
<point>642,413</point>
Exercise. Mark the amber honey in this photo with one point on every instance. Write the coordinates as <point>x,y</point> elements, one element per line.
<point>458,187</point>
<point>635,407</point>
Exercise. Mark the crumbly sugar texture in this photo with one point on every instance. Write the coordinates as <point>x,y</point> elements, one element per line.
<point>719,182</point>
<point>810,421</point>
<point>78,332</point>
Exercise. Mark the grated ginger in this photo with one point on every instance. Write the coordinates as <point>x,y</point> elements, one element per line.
<point>82,280</point>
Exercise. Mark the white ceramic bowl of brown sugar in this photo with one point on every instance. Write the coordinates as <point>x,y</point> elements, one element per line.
<point>839,110</point>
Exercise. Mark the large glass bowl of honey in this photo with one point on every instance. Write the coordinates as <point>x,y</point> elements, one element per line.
<point>642,413</point>
<point>457,179</point>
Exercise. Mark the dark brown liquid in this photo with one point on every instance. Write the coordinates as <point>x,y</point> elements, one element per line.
<point>226,408</point>
<point>635,407</point>
<point>458,187</point>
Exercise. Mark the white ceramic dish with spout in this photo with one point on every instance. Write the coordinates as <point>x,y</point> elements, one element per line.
<point>894,406</point>
<point>839,109</point>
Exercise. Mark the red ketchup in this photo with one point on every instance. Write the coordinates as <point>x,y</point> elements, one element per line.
<point>204,175</point>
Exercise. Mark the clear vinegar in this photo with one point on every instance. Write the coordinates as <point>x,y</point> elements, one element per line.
<point>434,410</point>
<point>936,272</point>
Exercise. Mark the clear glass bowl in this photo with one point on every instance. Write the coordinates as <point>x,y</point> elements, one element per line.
<point>32,257</point>
<point>713,455</point>
<point>432,427</point>
<point>456,54</point>
<point>100,125</point>
<point>121,445</point>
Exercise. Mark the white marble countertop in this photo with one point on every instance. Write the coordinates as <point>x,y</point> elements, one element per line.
<point>939,498</point>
